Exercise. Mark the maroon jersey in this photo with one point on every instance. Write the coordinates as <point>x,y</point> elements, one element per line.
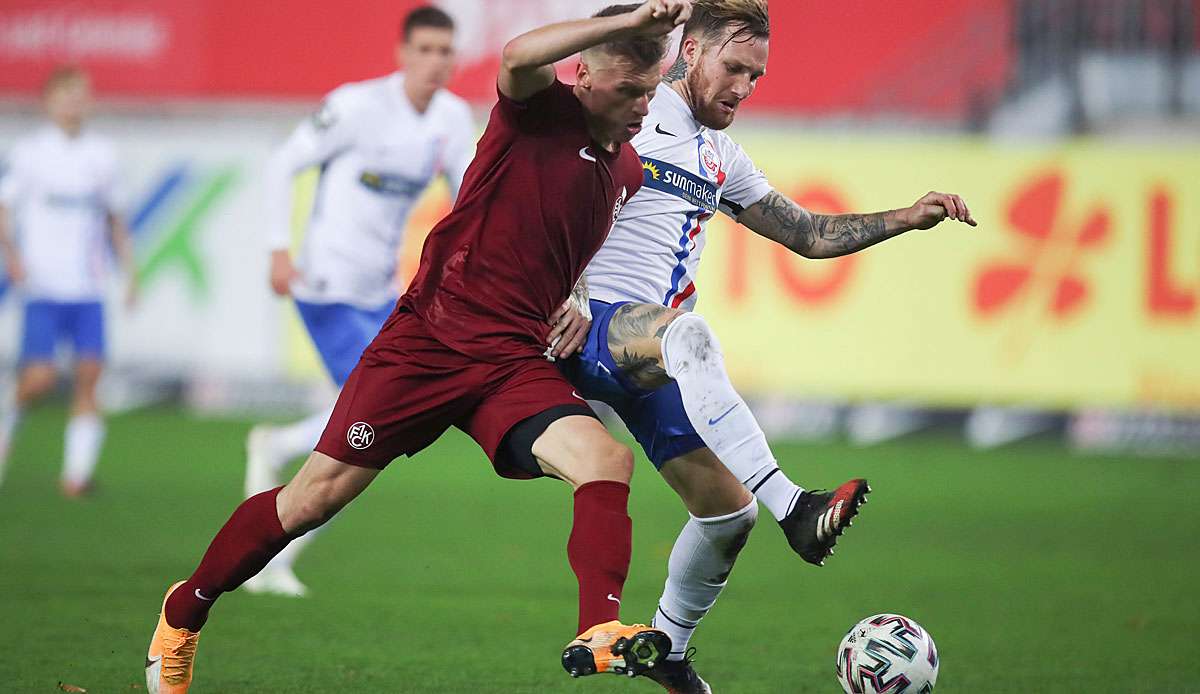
<point>535,205</point>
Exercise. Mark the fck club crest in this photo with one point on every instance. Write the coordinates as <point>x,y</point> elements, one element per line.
<point>360,435</point>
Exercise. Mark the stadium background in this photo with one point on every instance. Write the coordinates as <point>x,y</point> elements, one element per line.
<point>1072,127</point>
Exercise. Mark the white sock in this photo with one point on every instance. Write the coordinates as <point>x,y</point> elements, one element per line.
<point>692,356</point>
<point>10,416</point>
<point>286,559</point>
<point>83,439</point>
<point>699,566</point>
<point>773,488</point>
<point>299,438</point>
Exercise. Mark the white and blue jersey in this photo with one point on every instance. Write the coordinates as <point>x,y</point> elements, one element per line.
<point>689,174</point>
<point>652,256</point>
<point>60,191</point>
<point>377,154</point>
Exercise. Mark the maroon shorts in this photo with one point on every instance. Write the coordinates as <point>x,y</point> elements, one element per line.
<point>408,388</point>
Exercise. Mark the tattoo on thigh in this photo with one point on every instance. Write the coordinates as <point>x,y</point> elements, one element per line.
<point>645,371</point>
<point>633,334</point>
<point>633,322</point>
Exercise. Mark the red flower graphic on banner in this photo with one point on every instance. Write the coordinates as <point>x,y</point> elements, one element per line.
<point>1051,248</point>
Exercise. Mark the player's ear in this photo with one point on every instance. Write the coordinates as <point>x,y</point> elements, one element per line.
<point>583,76</point>
<point>690,49</point>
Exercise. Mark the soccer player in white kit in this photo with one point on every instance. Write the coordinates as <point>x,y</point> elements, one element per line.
<point>660,366</point>
<point>379,143</point>
<point>58,196</point>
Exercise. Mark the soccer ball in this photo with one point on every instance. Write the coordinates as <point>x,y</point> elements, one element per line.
<point>887,653</point>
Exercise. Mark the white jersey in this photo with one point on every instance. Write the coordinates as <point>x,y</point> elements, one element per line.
<point>377,155</point>
<point>689,172</point>
<point>60,191</point>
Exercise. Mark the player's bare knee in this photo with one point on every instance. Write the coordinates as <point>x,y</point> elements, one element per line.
<point>35,382</point>
<point>623,462</point>
<point>718,502</point>
<point>613,462</point>
<point>87,376</point>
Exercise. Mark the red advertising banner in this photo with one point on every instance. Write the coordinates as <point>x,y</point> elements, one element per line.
<point>921,56</point>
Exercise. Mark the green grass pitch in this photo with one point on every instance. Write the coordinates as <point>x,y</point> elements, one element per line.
<point>1035,571</point>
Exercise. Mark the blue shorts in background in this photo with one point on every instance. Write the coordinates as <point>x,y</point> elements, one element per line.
<point>47,323</point>
<point>656,418</point>
<point>341,332</point>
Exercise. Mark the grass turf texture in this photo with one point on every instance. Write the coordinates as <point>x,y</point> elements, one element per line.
<point>1033,569</point>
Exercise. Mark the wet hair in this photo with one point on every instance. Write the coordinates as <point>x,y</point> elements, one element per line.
<point>643,51</point>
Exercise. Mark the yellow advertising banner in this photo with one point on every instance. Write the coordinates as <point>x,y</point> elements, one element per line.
<point>1081,285</point>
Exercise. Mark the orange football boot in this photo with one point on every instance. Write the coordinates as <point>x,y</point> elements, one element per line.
<point>618,649</point>
<point>172,652</point>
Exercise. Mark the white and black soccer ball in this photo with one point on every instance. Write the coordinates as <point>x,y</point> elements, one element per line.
<point>887,653</point>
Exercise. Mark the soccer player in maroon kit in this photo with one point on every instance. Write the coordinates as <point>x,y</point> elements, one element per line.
<point>464,347</point>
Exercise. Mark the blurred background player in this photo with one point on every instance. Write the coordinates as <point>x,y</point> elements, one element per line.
<point>379,144</point>
<point>660,366</point>
<point>58,222</point>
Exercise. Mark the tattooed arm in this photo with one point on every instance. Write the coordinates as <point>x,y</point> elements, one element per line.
<point>828,236</point>
<point>580,298</point>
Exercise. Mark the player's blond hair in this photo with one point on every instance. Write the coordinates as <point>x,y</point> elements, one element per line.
<point>712,18</point>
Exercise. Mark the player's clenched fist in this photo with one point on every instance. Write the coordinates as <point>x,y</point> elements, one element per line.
<point>931,209</point>
<point>657,17</point>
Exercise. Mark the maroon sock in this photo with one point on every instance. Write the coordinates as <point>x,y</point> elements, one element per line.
<point>599,550</point>
<point>250,538</point>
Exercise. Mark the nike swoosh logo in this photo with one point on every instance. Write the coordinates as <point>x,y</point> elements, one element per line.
<point>578,396</point>
<point>713,422</point>
<point>151,662</point>
<point>583,153</point>
<point>202,597</point>
<point>658,129</point>
<point>614,599</point>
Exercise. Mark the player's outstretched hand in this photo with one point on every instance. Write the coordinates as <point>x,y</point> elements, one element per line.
<point>569,331</point>
<point>931,209</point>
<point>282,272</point>
<point>657,17</point>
